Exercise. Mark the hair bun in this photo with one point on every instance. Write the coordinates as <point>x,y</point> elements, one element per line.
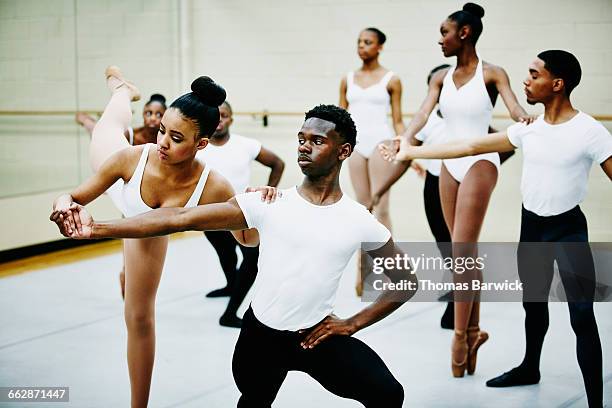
<point>208,91</point>
<point>158,98</point>
<point>474,9</point>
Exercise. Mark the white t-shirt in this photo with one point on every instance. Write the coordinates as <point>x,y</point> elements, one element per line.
<point>432,133</point>
<point>233,159</point>
<point>557,160</point>
<point>304,249</point>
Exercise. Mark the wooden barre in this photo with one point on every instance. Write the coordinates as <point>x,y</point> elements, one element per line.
<point>603,118</point>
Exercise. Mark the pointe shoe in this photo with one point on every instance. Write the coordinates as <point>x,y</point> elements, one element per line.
<point>359,288</point>
<point>113,71</point>
<point>475,339</point>
<point>459,353</point>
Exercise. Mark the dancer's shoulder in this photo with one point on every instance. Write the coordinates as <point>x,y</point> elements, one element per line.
<point>492,71</point>
<point>217,189</point>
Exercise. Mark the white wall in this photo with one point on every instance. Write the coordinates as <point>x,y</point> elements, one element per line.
<point>290,55</point>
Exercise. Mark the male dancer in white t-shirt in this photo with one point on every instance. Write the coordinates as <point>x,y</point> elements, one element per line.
<point>559,149</point>
<point>307,238</point>
<point>232,155</point>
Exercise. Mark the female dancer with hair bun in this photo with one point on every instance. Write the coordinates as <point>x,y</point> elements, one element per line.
<point>152,114</point>
<point>466,95</point>
<point>140,178</point>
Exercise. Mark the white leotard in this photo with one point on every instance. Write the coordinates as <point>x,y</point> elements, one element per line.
<point>127,198</point>
<point>369,108</point>
<point>467,113</point>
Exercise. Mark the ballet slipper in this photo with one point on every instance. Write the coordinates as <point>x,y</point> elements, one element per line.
<point>115,80</point>
<point>475,339</point>
<point>459,353</point>
<point>82,117</point>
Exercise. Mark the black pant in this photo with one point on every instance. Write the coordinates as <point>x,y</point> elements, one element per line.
<point>343,365</point>
<point>568,231</point>
<point>238,281</point>
<point>435,217</point>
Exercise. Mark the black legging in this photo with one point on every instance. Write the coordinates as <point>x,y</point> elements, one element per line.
<point>238,281</point>
<point>435,217</point>
<point>343,365</point>
<point>577,274</point>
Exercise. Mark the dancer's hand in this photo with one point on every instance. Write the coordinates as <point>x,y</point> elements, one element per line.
<point>389,150</point>
<point>62,205</point>
<point>420,171</point>
<point>527,119</point>
<point>80,225</point>
<point>330,326</point>
<point>392,154</point>
<point>373,202</point>
<point>268,194</point>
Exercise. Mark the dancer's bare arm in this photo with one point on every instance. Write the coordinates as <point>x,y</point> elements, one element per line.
<point>343,103</point>
<point>162,221</point>
<point>607,167</point>
<point>431,100</point>
<point>386,303</point>
<point>502,83</point>
<point>115,167</point>
<point>395,91</point>
<point>220,190</point>
<point>274,162</point>
<point>494,142</point>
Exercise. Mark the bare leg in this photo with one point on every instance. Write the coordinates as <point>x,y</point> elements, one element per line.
<point>358,169</point>
<point>144,261</point>
<point>378,168</point>
<point>122,280</point>
<point>472,199</point>
<point>448,197</point>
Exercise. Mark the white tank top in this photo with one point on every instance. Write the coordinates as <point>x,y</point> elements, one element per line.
<point>132,201</point>
<point>467,113</point>
<point>369,108</point>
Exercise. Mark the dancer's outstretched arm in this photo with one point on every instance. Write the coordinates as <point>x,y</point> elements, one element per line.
<point>162,221</point>
<point>386,303</point>
<point>491,143</point>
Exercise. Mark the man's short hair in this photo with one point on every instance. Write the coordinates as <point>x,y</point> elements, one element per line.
<point>338,116</point>
<point>564,65</point>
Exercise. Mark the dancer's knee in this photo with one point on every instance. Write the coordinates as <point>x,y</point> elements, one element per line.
<point>582,317</point>
<point>387,392</point>
<point>140,322</point>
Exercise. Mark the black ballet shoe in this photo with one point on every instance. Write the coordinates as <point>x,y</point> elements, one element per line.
<point>219,293</point>
<point>448,318</point>
<point>230,321</point>
<point>515,377</point>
